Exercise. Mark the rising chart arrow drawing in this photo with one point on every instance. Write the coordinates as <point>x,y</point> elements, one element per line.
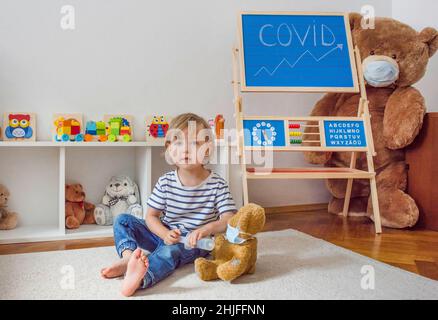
<point>339,46</point>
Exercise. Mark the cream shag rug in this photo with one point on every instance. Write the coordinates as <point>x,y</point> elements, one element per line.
<point>291,265</point>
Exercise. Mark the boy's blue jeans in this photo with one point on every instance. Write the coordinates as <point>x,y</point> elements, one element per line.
<point>130,233</point>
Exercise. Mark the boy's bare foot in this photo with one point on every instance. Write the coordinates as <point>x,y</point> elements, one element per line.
<point>117,269</point>
<point>137,266</point>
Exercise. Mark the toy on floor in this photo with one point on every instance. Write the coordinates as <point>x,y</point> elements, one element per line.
<point>235,253</point>
<point>391,68</point>
<point>19,126</point>
<point>121,196</point>
<point>68,128</point>
<point>77,210</point>
<point>8,220</point>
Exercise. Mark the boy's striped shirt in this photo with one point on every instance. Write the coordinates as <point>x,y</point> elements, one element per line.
<point>189,208</point>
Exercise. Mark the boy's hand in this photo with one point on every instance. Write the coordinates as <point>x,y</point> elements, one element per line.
<point>196,235</point>
<point>172,237</point>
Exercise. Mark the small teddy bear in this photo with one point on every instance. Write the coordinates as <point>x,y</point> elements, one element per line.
<point>121,196</point>
<point>235,253</point>
<point>8,220</point>
<point>77,210</point>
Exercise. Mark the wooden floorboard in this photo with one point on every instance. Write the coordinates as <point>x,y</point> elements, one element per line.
<point>414,250</point>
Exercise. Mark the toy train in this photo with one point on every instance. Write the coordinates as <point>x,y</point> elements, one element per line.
<point>95,131</point>
<point>118,129</point>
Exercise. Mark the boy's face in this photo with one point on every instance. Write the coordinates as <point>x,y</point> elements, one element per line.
<point>188,148</point>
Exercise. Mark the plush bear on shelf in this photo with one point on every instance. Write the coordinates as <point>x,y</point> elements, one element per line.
<point>235,253</point>
<point>8,220</point>
<point>395,57</point>
<point>121,196</point>
<point>77,210</point>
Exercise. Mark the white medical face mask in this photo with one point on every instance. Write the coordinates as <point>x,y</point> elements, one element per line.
<point>232,235</point>
<point>380,72</point>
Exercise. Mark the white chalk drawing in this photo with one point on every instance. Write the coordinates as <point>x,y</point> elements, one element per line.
<point>292,65</point>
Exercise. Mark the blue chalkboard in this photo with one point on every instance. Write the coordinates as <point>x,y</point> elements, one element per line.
<point>344,134</point>
<point>264,133</point>
<point>287,51</point>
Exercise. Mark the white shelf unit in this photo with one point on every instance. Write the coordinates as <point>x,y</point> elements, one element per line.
<point>36,174</point>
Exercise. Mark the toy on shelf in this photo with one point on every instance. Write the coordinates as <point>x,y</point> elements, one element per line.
<point>95,131</point>
<point>121,196</point>
<point>77,210</point>
<point>8,220</point>
<point>211,124</point>
<point>119,128</point>
<point>68,127</point>
<point>219,125</point>
<point>156,128</point>
<point>19,126</point>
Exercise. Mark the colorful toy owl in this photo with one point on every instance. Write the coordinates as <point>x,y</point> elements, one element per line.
<point>19,127</point>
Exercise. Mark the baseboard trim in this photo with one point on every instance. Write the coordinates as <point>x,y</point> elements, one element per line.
<point>297,208</point>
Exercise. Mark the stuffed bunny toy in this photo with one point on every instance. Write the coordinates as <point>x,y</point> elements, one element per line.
<point>121,196</point>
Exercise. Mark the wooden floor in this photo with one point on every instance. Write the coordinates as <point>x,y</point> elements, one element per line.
<point>412,250</point>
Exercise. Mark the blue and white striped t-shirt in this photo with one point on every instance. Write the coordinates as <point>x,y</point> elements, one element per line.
<point>191,207</point>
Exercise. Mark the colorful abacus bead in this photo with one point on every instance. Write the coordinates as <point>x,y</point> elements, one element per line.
<point>294,126</point>
<point>296,142</point>
<point>295,134</point>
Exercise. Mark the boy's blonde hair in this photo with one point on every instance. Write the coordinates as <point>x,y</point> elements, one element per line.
<point>182,121</point>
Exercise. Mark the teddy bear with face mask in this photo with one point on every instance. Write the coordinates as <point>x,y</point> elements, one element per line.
<point>235,253</point>
<point>121,196</point>
<point>395,57</point>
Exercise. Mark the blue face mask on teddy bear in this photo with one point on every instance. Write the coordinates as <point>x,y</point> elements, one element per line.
<point>232,235</point>
<point>380,72</point>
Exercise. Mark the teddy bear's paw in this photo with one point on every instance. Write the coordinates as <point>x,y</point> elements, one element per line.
<point>72,223</point>
<point>136,210</point>
<point>205,269</point>
<point>397,209</point>
<point>102,216</point>
<point>132,199</point>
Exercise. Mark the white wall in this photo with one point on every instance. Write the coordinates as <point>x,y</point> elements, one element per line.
<point>143,57</point>
<point>421,14</point>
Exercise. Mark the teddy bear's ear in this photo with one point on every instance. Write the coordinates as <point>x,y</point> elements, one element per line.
<point>355,20</point>
<point>430,37</point>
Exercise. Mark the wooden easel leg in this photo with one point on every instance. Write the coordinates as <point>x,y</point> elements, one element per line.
<point>347,197</point>
<point>375,202</point>
<point>245,186</point>
<point>239,126</point>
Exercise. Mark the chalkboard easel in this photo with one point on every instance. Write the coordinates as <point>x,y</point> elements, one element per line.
<point>302,52</point>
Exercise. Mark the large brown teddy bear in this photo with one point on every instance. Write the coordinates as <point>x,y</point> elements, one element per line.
<point>235,253</point>
<point>77,210</point>
<point>395,57</point>
<point>8,220</point>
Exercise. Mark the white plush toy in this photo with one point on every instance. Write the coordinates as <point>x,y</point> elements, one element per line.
<point>121,196</point>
